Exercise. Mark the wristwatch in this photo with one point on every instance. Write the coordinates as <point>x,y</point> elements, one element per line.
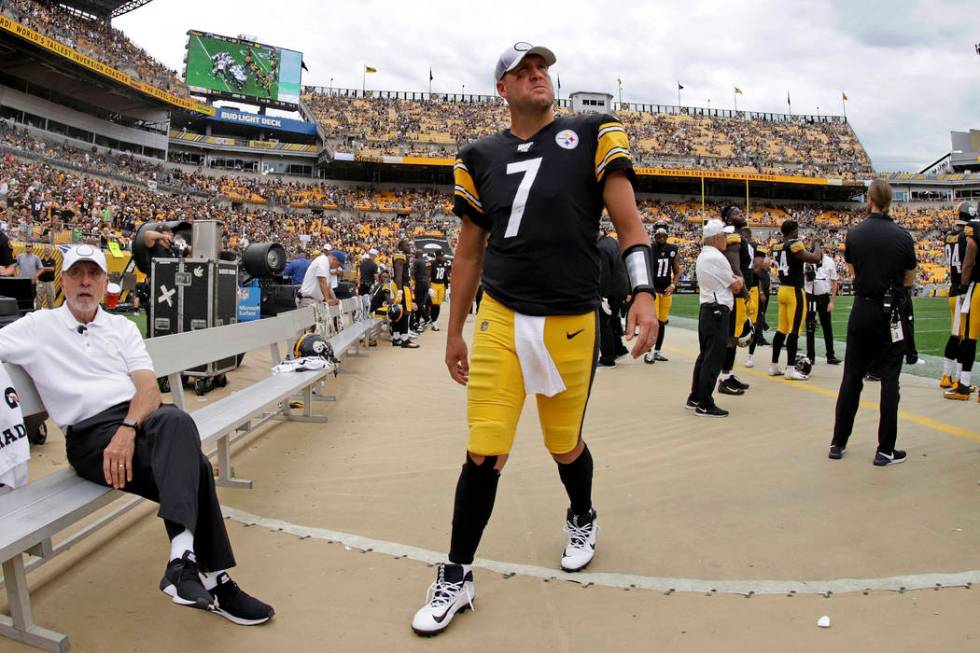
<point>131,423</point>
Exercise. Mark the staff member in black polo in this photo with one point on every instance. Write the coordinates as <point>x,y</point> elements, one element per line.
<point>881,257</point>
<point>821,285</point>
<point>717,283</point>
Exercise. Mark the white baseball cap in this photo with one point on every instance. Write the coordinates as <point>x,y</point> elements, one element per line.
<point>84,253</point>
<point>373,252</point>
<point>511,57</point>
<point>714,227</point>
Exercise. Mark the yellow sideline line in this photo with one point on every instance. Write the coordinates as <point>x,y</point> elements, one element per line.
<point>915,418</point>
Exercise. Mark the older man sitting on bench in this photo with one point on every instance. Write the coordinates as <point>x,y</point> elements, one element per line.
<point>96,379</point>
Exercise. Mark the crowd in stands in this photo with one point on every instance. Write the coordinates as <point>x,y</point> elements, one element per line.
<point>387,126</point>
<point>73,194</point>
<point>96,39</point>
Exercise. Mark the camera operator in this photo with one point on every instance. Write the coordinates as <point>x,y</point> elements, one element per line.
<point>717,283</point>
<point>162,243</point>
<point>881,258</point>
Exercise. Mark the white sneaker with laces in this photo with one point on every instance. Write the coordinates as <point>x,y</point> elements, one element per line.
<point>580,549</point>
<point>794,374</point>
<point>435,327</point>
<point>451,592</point>
<point>749,362</point>
<point>648,357</point>
<point>774,369</point>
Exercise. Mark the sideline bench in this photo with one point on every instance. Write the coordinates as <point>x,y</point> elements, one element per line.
<point>31,515</point>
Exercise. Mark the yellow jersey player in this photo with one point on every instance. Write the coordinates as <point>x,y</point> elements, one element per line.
<point>969,310</point>
<point>530,199</point>
<point>439,276</point>
<point>955,251</point>
<point>666,269</point>
<point>790,255</point>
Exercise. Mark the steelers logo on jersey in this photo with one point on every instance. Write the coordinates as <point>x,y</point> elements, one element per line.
<point>567,139</point>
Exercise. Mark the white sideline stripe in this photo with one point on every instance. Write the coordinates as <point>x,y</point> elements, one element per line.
<point>621,581</point>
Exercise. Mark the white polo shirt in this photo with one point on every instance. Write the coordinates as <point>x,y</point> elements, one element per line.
<point>78,375</point>
<point>715,275</point>
<point>826,274</point>
<point>319,268</point>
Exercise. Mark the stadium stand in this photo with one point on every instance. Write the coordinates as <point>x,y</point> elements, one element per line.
<point>95,39</point>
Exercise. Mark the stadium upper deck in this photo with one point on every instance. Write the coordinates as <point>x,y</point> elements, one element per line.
<point>720,140</point>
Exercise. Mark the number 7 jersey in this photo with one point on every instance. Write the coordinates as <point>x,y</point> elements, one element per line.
<point>541,200</point>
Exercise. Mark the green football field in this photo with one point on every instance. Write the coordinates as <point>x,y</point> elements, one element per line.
<point>931,319</point>
<point>200,49</point>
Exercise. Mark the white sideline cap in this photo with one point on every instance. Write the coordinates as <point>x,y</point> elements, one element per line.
<point>714,227</point>
<point>511,57</point>
<point>84,253</point>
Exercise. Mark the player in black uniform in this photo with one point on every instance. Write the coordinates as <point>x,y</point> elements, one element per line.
<point>403,287</point>
<point>740,325</point>
<point>790,255</point>
<point>530,199</point>
<point>969,306</point>
<point>666,268</point>
<point>758,293</point>
<point>439,277</point>
<point>420,291</point>
<point>955,251</point>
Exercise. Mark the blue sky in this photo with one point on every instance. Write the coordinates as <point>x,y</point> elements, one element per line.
<point>909,69</point>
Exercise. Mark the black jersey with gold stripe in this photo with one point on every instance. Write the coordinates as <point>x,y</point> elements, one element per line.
<point>955,251</point>
<point>541,200</point>
<point>663,265</point>
<point>440,272</point>
<point>788,263</point>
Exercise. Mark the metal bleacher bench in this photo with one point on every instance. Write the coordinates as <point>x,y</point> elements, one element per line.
<point>32,514</point>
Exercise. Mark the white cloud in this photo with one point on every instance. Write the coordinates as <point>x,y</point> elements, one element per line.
<point>909,68</point>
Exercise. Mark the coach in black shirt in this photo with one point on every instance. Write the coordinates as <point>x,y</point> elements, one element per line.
<point>881,257</point>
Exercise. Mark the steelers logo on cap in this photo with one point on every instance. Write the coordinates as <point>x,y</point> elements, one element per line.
<point>567,139</point>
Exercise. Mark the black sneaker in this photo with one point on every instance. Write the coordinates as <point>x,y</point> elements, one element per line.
<point>733,381</point>
<point>883,459</point>
<point>726,387</point>
<point>833,360</point>
<point>691,403</point>
<point>607,364</point>
<point>836,453</point>
<point>236,606</point>
<point>660,357</point>
<point>182,583</point>
<point>710,410</point>
<point>872,377</point>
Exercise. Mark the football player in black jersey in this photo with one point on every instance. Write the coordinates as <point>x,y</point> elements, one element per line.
<point>755,307</point>
<point>401,275</point>
<point>530,199</point>
<point>439,277</point>
<point>666,269</point>
<point>790,255</point>
<point>969,308</point>
<point>740,326</point>
<point>955,251</point>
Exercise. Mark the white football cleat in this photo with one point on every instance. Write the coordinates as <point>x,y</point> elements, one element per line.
<point>451,592</point>
<point>582,535</point>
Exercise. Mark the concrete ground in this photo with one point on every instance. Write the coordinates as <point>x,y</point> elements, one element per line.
<point>733,534</point>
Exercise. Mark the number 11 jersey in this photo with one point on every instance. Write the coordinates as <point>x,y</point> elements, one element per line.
<point>541,200</point>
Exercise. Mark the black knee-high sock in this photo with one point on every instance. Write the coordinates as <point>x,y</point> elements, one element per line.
<point>173,529</point>
<point>952,348</point>
<point>777,345</point>
<point>729,361</point>
<point>476,491</point>
<point>576,476</point>
<point>435,312</point>
<point>660,336</point>
<point>792,342</point>
<point>968,352</point>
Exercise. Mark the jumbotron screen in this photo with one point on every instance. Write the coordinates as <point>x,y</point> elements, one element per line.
<point>238,69</point>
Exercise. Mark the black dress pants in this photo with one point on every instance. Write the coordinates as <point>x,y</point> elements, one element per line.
<point>817,305</point>
<point>713,338</point>
<point>168,468</point>
<point>869,347</point>
<point>611,332</point>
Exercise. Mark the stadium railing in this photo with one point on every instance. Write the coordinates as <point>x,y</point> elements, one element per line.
<point>31,515</point>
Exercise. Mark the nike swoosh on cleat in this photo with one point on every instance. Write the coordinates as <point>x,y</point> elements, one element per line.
<point>439,619</point>
<point>572,335</point>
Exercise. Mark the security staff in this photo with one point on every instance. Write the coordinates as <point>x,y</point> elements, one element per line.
<point>821,284</point>
<point>717,283</point>
<point>881,258</point>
